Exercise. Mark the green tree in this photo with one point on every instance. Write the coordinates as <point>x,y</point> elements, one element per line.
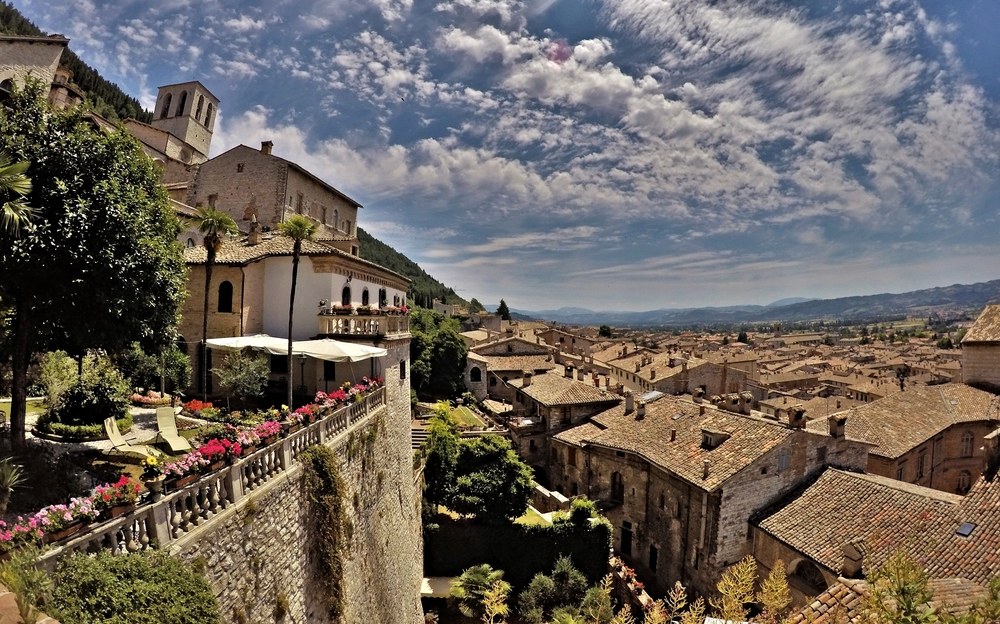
<point>491,481</point>
<point>564,587</point>
<point>736,590</point>
<point>213,225</point>
<point>298,228</point>
<point>742,337</point>
<point>605,331</point>
<point>503,311</point>
<point>898,593</point>
<point>448,354</point>
<point>442,456</point>
<point>15,214</point>
<point>168,369</point>
<point>475,306</point>
<point>99,266</point>
<point>470,589</point>
<point>244,374</point>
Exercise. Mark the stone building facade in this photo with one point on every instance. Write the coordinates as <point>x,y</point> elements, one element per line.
<point>981,350</point>
<point>681,480</point>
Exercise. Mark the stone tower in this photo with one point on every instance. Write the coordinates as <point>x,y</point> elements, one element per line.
<point>187,110</point>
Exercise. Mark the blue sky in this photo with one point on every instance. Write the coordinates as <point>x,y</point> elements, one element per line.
<point>612,154</point>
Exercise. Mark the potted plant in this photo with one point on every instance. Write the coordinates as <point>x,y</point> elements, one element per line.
<point>185,470</point>
<point>116,499</point>
<point>152,477</point>
<point>340,309</point>
<point>268,431</point>
<point>367,310</point>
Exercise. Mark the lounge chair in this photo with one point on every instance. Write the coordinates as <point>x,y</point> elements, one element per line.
<point>121,447</point>
<point>166,426</point>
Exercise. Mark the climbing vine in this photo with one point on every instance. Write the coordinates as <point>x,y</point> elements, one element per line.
<point>332,527</point>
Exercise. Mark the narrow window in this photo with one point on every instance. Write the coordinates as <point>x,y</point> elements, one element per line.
<point>190,243</point>
<point>181,103</point>
<point>336,217</point>
<point>967,439</point>
<point>475,374</point>
<point>964,481</point>
<point>208,116</point>
<point>921,465</point>
<point>347,228</point>
<point>784,459</point>
<point>166,106</point>
<point>364,297</point>
<point>571,458</point>
<point>654,557</point>
<point>383,298</point>
<point>214,197</point>
<point>298,203</point>
<point>225,297</point>
<point>901,471</point>
<point>402,369</point>
<point>239,167</point>
<point>201,103</point>
<point>322,211</point>
<point>345,296</point>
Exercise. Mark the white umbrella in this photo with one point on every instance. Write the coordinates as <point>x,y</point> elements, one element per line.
<point>336,350</point>
<point>263,342</point>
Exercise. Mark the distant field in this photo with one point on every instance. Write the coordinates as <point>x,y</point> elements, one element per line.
<point>465,416</point>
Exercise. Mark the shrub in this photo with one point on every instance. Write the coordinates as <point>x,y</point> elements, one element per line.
<point>101,392</point>
<point>148,587</point>
<point>56,372</point>
<point>78,433</point>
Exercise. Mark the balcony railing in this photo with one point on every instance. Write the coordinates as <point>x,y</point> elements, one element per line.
<point>181,513</point>
<point>338,325</point>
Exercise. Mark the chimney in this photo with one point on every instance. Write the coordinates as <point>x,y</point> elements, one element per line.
<point>705,465</point>
<point>629,402</point>
<point>265,147</point>
<point>796,418</point>
<point>698,395</point>
<point>580,375</point>
<point>525,379</point>
<point>640,413</point>
<point>673,435</point>
<point>836,424</point>
<point>568,372</point>
<point>254,237</point>
<point>652,373</point>
<point>853,559</point>
<point>701,410</point>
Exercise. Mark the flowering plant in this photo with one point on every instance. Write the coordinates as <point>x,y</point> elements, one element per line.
<point>337,308</point>
<point>151,467</point>
<point>267,429</point>
<point>125,490</point>
<point>190,463</point>
<point>244,436</point>
<point>19,533</point>
<point>218,449</point>
<point>194,406</point>
<point>150,398</point>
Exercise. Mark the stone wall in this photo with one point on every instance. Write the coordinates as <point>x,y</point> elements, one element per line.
<point>981,364</point>
<point>20,58</point>
<point>258,551</point>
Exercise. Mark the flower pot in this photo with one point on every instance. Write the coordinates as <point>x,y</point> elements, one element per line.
<point>155,487</point>
<point>116,511</point>
<point>65,532</point>
<point>248,450</point>
<point>217,465</point>
<point>183,482</point>
<point>270,439</point>
<point>290,428</point>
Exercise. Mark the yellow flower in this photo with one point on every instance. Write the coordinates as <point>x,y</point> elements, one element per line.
<point>151,460</point>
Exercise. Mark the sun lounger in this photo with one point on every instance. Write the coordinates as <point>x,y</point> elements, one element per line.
<point>120,446</point>
<point>166,427</point>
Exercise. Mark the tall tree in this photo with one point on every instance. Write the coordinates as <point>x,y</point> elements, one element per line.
<point>213,225</point>
<point>298,228</point>
<point>99,266</point>
<point>503,311</point>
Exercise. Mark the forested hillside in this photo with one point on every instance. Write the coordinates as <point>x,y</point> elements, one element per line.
<point>106,98</point>
<point>424,288</point>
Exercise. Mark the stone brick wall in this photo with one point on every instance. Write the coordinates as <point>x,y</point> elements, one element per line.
<point>981,364</point>
<point>260,549</point>
<point>19,59</point>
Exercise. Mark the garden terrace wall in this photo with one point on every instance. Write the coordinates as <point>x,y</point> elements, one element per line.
<point>248,524</point>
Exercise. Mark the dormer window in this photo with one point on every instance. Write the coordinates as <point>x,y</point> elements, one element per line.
<point>711,439</point>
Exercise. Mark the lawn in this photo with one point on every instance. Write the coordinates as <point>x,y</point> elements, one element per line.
<point>532,517</point>
<point>466,417</point>
<point>35,406</point>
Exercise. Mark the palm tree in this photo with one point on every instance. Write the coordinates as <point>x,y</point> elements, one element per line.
<point>298,228</point>
<point>15,214</point>
<point>213,224</point>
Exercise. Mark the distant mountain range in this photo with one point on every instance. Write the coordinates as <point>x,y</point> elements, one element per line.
<point>946,300</point>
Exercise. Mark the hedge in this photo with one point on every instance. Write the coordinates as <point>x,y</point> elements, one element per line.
<point>79,433</point>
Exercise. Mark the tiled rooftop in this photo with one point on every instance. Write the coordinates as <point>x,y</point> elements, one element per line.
<point>900,422</point>
<point>518,363</point>
<point>749,438</point>
<point>554,389</point>
<point>986,328</point>
<point>842,507</point>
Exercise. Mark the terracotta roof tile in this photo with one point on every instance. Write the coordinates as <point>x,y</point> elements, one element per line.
<point>986,328</point>
<point>518,363</point>
<point>554,389</point>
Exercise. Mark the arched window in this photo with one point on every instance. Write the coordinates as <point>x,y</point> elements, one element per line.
<point>617,487</point>
<point>208,116</point>
<point>345,296</point>
<point>336,219</point>
<point>383,298</point>
<point>226,297</point>
<point>190,243</point>
<point>6,89</point>
<point>166,106</point>
<point>201,104</point>
<point>364,297</point>
<point>475,375</point>
<point>181,103</point>
<point>967,439</point>
<point>808,574</point>
<point>964,481</point>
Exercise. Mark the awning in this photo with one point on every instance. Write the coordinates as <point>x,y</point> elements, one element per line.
<point>326,349</point>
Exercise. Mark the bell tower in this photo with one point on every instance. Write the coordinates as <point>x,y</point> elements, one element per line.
<point>187,110</point>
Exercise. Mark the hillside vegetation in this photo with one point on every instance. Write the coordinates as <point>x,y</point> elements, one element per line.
<point>424,288</point>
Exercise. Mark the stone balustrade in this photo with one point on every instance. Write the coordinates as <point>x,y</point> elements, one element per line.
<point>178,514</point>
<point>336,325</point>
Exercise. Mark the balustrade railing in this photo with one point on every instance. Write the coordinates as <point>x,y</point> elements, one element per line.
<point>359,325</point>
<point>177,514</point>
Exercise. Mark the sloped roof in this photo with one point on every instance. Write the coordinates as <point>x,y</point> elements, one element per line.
<point>904,420</point>
<point>976,557</point>
<point>517,363</point>
<point>986,328</point>
<point>552,389</point>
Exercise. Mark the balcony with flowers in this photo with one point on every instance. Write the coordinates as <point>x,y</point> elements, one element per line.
<point>344,321</point>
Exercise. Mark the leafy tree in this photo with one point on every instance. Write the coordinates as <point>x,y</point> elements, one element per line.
<point>503,311</point>
<point>565,587</point>
<point>491,481</point>
<point>244,374</point>
<point>437,355</point>
<point>448,353</point>
<point>99,266</point>
<point>774,595</point>
<point>213,225</point>
<point>495,609</point>
<point>604,331</point>
<point>57,372</point>
<point>898,593</point>
<point>101,391</point>
<point>442,456</point>
<point>147,370</point>
<point>742,337</point>
<point>298,228</point>
<point>475,306</point>
<point>736,590</point>
<point>470,589</point>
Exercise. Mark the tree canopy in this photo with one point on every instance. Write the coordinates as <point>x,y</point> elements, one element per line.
<point>437,355</point>
<point>99,265</point>
<point>503,311</point>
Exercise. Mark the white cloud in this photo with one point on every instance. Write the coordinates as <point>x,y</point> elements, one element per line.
<point>244,23</point>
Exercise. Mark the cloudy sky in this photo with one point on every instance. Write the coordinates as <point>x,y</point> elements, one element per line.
<point>612,154</point>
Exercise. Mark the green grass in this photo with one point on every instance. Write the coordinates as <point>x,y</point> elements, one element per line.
<point>465,416</point>
<point>531,517</point>
<point>35,406</point>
